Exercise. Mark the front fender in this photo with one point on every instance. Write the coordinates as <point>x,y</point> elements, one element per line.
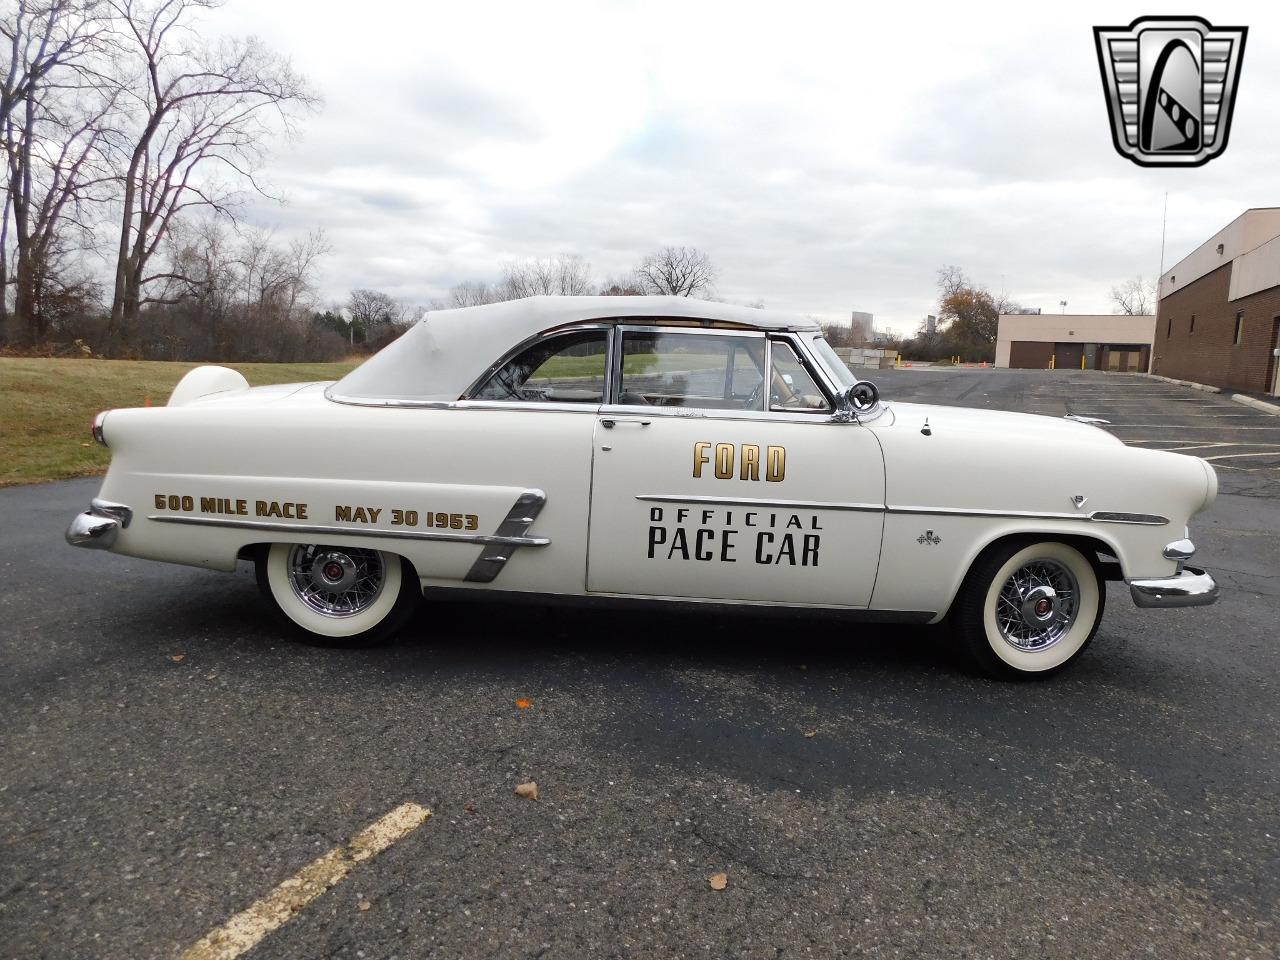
<point>953,491</point>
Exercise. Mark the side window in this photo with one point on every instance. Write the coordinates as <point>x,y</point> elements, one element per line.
<point>790,385</point>
<point>568,368</point>
<point>679,369</point>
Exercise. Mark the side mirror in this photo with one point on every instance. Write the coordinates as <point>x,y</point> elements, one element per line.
<point>861,397</point>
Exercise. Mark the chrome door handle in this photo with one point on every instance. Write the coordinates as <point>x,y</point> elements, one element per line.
<point>611,422</point>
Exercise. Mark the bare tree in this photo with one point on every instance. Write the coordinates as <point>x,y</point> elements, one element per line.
<point>472,293</point>
<point>53,106</point>
<point>952,279</point>
<point>562,275</point>
<point>227,293</point>
<point>276,275</point>
<point>623,285</point>
<point>676,271</point>
<point>203,108</point>
<point>1135,297</point>
<point>372,308</point>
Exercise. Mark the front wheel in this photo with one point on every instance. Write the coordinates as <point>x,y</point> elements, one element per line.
<point>1027,610</point>
<point>338,596</point>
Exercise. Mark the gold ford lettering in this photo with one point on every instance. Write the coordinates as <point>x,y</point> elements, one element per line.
<point>724,457</point>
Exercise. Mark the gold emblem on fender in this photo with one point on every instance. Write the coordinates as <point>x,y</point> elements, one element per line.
<point>744,460</point>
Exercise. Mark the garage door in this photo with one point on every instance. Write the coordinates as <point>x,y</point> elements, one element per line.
<point>1068,355</point>
<point>1028,354</point>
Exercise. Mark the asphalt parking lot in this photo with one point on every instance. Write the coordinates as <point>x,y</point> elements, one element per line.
<point>166,760</point>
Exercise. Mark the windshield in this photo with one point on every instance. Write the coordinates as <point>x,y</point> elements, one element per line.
<point>842,375</point>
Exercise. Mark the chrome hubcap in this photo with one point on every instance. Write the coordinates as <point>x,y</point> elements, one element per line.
<point>1037,605</point>
<point>333,572</point>
<point>335,581</point>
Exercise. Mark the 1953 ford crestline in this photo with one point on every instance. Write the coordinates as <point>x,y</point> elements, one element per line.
<point>647,447</point>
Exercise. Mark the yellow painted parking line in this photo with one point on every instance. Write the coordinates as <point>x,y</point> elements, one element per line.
<point>244,931</point>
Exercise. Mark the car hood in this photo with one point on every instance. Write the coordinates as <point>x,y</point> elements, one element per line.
<point>997,425</point>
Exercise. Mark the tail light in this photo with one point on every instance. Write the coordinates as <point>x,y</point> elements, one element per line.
<point>96,429</point>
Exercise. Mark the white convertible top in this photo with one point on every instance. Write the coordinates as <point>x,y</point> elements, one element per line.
<point>447,350</point>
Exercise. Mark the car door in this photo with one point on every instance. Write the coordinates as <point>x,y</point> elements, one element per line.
<point>719,473</point>
<point>527,427</point>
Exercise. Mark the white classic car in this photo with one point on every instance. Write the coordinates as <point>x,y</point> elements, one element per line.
<point>647,447</point>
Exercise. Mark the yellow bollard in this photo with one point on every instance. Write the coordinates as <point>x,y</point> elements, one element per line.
<point>1052,358</point>
<point>1082,366</point>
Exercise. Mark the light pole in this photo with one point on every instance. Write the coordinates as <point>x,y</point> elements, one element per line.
<point>1063,305</point>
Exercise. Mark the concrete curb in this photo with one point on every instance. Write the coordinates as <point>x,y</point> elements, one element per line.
<point>1204,387</point>
<point>1256,404</point>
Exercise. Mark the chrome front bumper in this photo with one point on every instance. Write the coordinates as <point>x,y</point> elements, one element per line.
<point>98,527</point>
<point>1190,587</point>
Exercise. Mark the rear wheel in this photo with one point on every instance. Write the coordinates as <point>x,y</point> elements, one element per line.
<point>338,596</point>
<point>1027,610</point>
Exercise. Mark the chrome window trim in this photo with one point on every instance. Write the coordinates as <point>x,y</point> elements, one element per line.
<point>622,329</point>
<point>548,334</point>
<point>393,402</point>
<point>713,413</point>
<point>615,327</point>
<point>819,376</point>
<point>806,339</point>
<point>515,406</point>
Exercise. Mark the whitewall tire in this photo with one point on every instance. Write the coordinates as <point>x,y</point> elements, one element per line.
<point>338,596</point>
<point>1029,609</point>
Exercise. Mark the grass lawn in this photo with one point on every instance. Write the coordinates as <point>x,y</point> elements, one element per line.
<point>46,406</point>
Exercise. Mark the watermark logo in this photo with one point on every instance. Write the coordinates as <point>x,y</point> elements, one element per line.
<point>1170,84</point>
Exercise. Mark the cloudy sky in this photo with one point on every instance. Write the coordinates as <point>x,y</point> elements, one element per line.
<point>828,158</point>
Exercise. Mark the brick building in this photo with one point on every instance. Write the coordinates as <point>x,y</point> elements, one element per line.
<point>1218,319</point>
<point>1075,341</point>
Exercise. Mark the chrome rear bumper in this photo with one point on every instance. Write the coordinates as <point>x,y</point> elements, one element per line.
<point>1190,587</point>
<point>97,527</point>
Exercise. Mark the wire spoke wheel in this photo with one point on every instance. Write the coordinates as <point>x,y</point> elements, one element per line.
<point>1037,605</point>
<point>338,595</point>
<point>336,581</point>
<point>1028,607</point>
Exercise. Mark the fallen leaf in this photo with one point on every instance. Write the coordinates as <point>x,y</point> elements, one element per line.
<point>177,657</point>
<point>85,444</point>
<point>364,905</point>
<point>528,790</point>
<point>470,808</point>
<point>523,704</point>
<point>718,881</point>
<point>811,734</point>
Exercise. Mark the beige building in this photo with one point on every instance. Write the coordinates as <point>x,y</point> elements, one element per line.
<point>1075,341</point>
